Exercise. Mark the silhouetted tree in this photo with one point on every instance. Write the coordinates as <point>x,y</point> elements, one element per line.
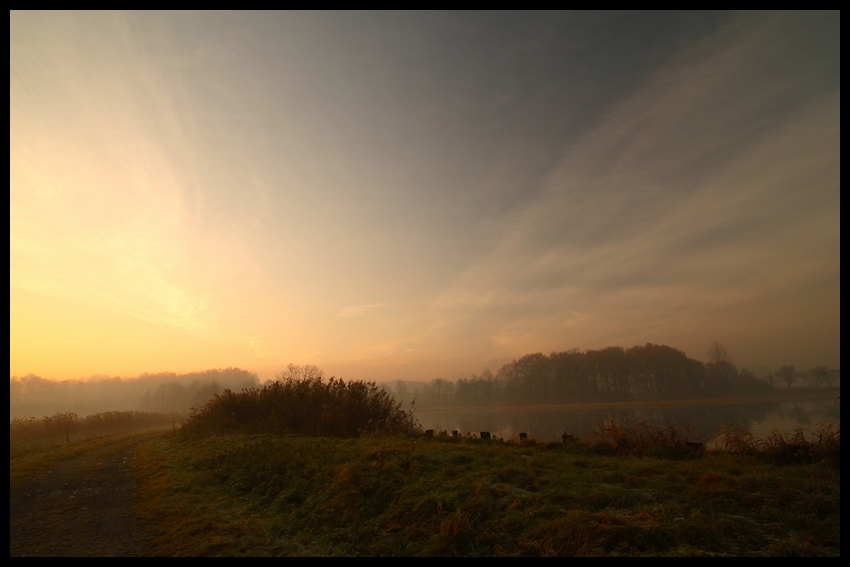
<point>787,374</point>
<point>568,375</point>
<point>717,352</point>
<point>295,372</point>
<point>722,372</point>
<point>820,376</point>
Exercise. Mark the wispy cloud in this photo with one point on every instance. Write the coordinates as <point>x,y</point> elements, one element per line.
<point>358,309</point>
<point>105,204</point>
<point>501,184</point>
<point>709,190</point>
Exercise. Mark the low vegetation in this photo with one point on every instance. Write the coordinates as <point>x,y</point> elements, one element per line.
<point>823,444</point>
<point>311,406</point>
<point>260,494</point>
<point>26,434</point>
<point>305,466</point>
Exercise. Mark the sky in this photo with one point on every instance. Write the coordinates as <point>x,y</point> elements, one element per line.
<point>419,195</point>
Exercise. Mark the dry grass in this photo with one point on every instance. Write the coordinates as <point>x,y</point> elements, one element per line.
<point>644,439</point>
<point>800,446</point>
<point>297,495</point>
<point>634,490</point>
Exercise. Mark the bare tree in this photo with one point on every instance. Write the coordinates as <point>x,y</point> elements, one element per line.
<point>787,374</point>
<point>295,372</point>
<point>438,384</point>
<point>400,389</point>
<point>718,353</point>
<point>820,376</point>
<point>770,378</point>
<point>722,370</point>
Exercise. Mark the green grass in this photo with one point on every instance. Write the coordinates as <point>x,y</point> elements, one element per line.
<point>255,494</point>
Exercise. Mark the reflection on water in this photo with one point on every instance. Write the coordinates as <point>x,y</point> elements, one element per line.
<point>703,421</point>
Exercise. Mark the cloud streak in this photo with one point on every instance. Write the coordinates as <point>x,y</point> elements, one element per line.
<point>688,203</point>
<point>358,310</point>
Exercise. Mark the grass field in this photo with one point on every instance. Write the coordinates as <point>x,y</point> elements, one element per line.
<point>253,494</point>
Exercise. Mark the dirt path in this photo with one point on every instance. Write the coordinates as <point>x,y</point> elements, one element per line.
<point>79,507</point>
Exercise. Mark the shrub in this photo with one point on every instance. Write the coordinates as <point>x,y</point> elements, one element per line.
<point>309,405</point>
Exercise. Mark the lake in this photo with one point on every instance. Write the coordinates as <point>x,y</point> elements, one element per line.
<point>704,420</point>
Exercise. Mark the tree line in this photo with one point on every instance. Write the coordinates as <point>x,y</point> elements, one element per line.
<point>33,395</point>
<point>613,373</point>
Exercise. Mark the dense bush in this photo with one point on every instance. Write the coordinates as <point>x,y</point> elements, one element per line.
<point>310,406</point>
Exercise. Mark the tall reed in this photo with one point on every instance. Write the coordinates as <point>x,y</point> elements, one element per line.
<point>822,444</point>
<point>641,439</point>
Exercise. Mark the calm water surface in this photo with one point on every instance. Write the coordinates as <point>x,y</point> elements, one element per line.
<point>704,420</point>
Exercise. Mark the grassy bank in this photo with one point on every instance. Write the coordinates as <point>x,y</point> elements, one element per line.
<point>256,494</point>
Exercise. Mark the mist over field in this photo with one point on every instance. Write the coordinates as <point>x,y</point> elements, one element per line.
<point>569,391</point>
<point>166,392</point>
